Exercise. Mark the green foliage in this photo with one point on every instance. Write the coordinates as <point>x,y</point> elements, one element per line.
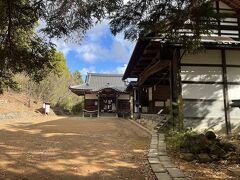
<point>65,17</point>
<point>139,18</point>
<point>77,76</point>
<point>53,88</point>
<point>77,108</point>
<point>21,49</point>
<point>175,139</point>
<point>177,114</point>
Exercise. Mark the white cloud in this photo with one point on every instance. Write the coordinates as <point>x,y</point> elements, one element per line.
<point>92,49</point>
<point>121,69</point>
<point>85,70</point>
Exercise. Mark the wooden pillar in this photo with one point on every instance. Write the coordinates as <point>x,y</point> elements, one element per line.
<point>98,104</point>
<point>225,93</point>
<point>116,105</point>
<point>133,100</point>
<point>140,100</point>
<point>171,93</point>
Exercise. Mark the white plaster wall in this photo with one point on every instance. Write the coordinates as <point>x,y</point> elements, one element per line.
<point>233,74</point>
<point>192,73</point>
<point>202,91</point>
<point>91,96</point>
<point>233,57</point>
<point>206,57</point>
<point>234,114</point>
<point>234,92</point>
<point>204,108</point>
<point>124,97</point>
<point>206,124</point>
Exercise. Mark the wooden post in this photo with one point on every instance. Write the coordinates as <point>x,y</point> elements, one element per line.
<point>133,101</point>
<point>171,93</point>
<point>98,104</point>
<point>225,93</point>
<point>116,105</point>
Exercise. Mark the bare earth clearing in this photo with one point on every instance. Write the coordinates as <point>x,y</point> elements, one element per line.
<point>72,148</point>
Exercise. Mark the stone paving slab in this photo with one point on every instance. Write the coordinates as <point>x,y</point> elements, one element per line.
<point>162,149</point>
<point>154,142</point>
<point>160,162</point>
<point>164,158</point>
<point>152,155</point>
<point>158,168</point>
<point>175,173</point>
<point>153,146</point>
<point>153,151</point>
<point>161,136</point>
<point>162,153</point>
<point>153,160</point>
<point>168,164</point>
<point>163,176</point>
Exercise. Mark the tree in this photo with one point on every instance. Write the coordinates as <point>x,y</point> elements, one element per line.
<point>21,50</point>
<point>164,19</point>
<point>77,76</point>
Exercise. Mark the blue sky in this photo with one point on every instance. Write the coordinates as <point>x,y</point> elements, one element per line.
<point>99,51</point>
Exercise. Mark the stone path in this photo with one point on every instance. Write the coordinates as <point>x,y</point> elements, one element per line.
<point>160,162</point>
<point>158,158</point>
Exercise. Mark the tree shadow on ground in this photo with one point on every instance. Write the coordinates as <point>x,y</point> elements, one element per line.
<point>72,149</point>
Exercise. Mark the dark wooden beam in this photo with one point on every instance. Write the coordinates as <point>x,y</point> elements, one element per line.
<point>158,66</point>
<point>225,93</point>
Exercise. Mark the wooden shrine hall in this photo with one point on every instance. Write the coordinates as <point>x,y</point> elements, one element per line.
<point>104,95</point>
<point>208,82</point>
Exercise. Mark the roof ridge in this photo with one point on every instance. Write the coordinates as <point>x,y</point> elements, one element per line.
<point>105,74</point>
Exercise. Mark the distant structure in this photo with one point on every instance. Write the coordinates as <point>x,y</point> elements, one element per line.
<point>104,95</point>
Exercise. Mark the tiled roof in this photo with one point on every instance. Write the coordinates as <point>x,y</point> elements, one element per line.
<point>96,82</point>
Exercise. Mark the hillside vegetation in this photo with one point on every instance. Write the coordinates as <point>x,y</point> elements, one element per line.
<point>53,88</point>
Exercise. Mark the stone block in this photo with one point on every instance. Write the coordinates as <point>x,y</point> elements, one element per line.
<point>163,176</point>
<point>158,168</point>
<point>153,160</point>
<point>234,172</point>
<point>168,164</point>
<point>164,158</point>
<point>204,158</point>
<point>175,173</point>
<point>153,146</point>
<point>187,156</point>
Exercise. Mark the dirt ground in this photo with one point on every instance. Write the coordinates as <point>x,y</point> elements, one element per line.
<point>73,148</point>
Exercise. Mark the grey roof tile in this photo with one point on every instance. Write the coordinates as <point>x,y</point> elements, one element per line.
<point>97,81</point>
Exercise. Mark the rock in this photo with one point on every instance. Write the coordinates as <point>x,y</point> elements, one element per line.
<point>216,150</point>
<point>228,147</point>
<point>187,156</point>
<point>234,172</point>
<point>210,135</point>
<point>204,158</point>
<point>214,157</point>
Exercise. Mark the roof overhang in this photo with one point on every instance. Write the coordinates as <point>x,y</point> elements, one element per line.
<point>145,51</point>
<point>235,4</point>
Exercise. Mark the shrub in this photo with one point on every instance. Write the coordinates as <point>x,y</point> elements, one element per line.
<point>77,108</point>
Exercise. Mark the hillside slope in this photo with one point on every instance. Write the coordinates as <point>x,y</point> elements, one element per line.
<point>15,102</point>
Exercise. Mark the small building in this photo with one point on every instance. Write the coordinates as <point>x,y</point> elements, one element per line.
<point>207,81</point>
<point>104,94</point>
